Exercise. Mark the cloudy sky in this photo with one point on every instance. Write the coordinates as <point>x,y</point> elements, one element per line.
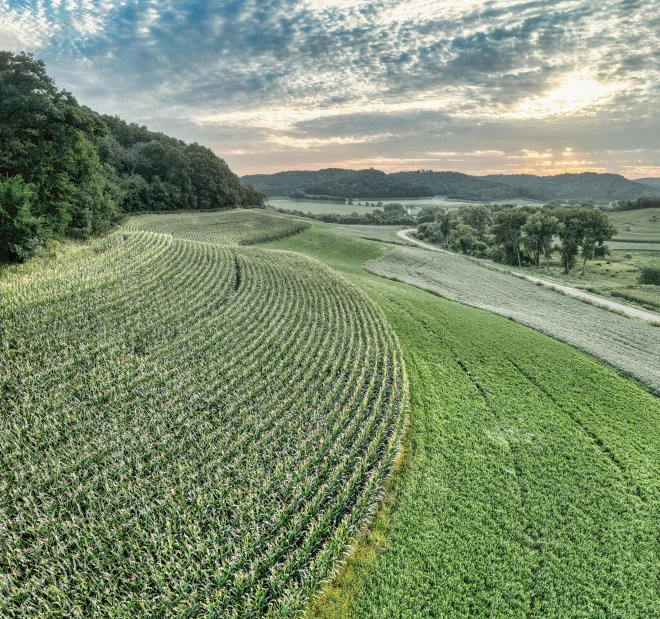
<point>480,87</point>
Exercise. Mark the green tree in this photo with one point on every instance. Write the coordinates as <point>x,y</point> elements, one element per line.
<point>463,238</point>
<point>539,232</point>
<point>507,229</point>
<point>570,235</point>
<point>595,230</point>
<point>20,230</point>
<point>477,216</point>
<point>47,139</point>
<point>445,222</point>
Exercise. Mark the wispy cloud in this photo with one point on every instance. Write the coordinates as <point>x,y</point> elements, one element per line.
<point>273,82</point>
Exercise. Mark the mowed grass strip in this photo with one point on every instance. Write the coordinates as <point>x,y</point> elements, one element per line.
<point>234,227</point>
<point>632,346</point>
<point>530,485</point>
<point>186,429</point>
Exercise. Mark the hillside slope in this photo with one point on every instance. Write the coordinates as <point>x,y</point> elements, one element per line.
<point>652,182</point>
<point>585,186</point>
<point>464,186</point>
<point>529,486</point>
<point>370,184</point>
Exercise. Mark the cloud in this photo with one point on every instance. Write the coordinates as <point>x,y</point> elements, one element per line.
<point>362,79</point>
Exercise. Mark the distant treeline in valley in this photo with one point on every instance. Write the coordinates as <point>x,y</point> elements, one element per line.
<point>66,170</point>
<point>374,184</point>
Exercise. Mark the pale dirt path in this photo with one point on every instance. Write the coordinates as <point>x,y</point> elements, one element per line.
<point>568,290</point>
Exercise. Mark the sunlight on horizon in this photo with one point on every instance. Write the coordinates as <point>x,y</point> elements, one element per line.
<point>577,92</point>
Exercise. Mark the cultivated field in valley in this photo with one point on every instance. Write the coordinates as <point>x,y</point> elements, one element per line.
<point>319,206</point>
<point>641,225</point>
<point>187,429</point>
<point>384,234</point>
<point>529,486</point>
<point>629,345</point>
<point>236,227</point>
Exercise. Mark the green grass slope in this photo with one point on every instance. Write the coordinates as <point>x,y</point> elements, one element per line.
<point>530,484</point>
<point>641,225</point>
<point>186,429</point>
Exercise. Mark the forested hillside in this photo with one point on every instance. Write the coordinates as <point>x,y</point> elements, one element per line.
<point>64,169</point>
<point>369,184</point>
<point>372,184</point>
<point>653,182</point>
<point>285,183</point>
<point>464,186</point>
<point>585,186</point>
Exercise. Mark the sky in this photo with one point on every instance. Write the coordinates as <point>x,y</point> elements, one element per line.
<point>496,87</point>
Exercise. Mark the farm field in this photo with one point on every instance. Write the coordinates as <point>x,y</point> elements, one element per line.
<point>629,345</point>
<point>529,484</point>
<point>221,420</point>
<point>236,227</point>
<point>384,234</point>
<point>615,277</point>
<point>641,225</point>
<point>187,429</point>
<point>316,206</point>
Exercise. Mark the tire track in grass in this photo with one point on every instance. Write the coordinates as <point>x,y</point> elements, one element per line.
<point>599,444</point>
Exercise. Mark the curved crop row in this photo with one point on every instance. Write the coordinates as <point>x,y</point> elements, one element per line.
<point>236,227</point>
<point>187,429</point>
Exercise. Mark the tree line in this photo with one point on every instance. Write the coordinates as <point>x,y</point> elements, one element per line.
<point>523,235</point>
<point>66,170</point>
<point>640,203</point>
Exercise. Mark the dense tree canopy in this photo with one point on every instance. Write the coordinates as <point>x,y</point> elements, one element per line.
<point>64,169</point>
<point>369,184</point>
<point>521,235</point>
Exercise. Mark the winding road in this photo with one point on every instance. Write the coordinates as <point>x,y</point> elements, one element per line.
<point>568,290</point>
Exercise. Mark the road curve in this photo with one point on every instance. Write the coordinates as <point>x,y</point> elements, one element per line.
<point>568,290</point>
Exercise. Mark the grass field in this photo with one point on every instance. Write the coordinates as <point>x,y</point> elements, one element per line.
<point>187,429</point>
<point>638,226</point>
<point>529,486</point>
<point>236,227</point>
<point>383,234</point>
<point>629,345</point>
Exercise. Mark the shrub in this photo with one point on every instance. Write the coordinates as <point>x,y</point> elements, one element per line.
<point>650,275</point>
<point>19,228</point>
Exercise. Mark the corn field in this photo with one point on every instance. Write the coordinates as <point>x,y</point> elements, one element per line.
<point>187,429</point>
<point>236,227</point>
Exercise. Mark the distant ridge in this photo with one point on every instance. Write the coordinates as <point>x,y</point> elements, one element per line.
<point>369,184</point>
<point>652,182</point>
<point>584,186</point>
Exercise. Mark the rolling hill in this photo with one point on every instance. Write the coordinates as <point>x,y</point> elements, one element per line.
<point>584,186</point>
<point>652,182</point>
<point>370,184</point>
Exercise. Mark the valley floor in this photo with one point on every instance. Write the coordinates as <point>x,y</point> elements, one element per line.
<point>529,485</point>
